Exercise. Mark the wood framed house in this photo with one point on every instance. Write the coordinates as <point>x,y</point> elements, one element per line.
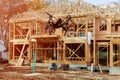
<point>27,33</point>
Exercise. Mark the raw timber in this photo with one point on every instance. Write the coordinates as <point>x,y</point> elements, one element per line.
<point>27,33</point>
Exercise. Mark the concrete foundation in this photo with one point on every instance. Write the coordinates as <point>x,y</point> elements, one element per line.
<point>114,71</point>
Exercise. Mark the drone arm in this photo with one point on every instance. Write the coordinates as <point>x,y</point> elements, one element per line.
<point>49,14</point>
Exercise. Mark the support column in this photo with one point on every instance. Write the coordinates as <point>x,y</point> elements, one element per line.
<point>111,54</point>
<point>87,53</point>
<point>13,52</point>
<point>109,25</point>
<point>94,43</point>
<point>54,53</point>
<point>119,55</point>
<point>94,53</point>
<point>58,51</point>
<point>64,45</point>
<point>13,43</point>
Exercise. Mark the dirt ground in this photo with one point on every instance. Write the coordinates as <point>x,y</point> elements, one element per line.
<point>11,72</point>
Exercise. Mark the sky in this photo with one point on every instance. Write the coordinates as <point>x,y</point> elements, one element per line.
<point>98,2</point>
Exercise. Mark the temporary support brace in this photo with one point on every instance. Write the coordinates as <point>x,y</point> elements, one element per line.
<point>20,60</point>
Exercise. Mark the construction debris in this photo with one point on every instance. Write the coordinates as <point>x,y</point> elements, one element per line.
<point>10,72</point>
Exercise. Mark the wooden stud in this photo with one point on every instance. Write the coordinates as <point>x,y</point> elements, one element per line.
<point>111,54</point>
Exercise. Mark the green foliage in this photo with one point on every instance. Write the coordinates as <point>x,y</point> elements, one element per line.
<point>37,4</point>
<point>102,55</point>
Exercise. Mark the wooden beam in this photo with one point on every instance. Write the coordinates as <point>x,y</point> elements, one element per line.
<point>116,62</point>
<point>94,42</point>
<point>21,53</point>
<point>73,52</point>
<point>80,27</point>
<point>109,25</point>
<point>111,54</point>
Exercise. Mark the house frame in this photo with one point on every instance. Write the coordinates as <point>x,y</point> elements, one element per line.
<point>27,33</point>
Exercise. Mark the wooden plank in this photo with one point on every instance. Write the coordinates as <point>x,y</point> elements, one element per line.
<point>100,68</point>
<point>65,62</point>
<point>94,42</point>
<point>109,25</point>
<point>64,51</point>
<point>88,54</point>
<point>19,41</point>
<point>13,51</point>
<point>44,36</point>
<point>74,52</point>
<point>115,41</point>
<point>74,39</point>
<point>111,54</point>
<point>29,49</point>
<point>102,43</point>
<point>21,53</point>
<point>116,62</point>
<point>102,37</point>
<point>107,56</point>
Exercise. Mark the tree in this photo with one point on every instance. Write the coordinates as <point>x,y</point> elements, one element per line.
<point>36,4</point>
<point>8,8</point>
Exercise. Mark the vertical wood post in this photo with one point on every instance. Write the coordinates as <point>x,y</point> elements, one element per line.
<point>111,54</point>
